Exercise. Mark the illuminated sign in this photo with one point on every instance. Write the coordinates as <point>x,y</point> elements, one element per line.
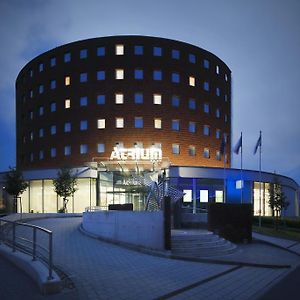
<point>136,154</point>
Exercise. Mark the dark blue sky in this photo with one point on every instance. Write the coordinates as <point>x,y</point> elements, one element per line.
<point>259,40</point>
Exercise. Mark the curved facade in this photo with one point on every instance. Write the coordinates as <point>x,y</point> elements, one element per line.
<point>75,103</point>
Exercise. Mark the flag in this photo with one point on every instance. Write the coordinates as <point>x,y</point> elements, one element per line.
<point>258,144</point>
<point>222,146</point>
<point>238,145</point>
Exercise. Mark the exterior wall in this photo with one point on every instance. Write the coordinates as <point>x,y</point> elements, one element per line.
<point>34,151</point>
<point>143,229</point>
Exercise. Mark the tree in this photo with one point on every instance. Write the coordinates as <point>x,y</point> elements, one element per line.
<point>65,185</point>
<point>15,184</point>
<point>277,201</point>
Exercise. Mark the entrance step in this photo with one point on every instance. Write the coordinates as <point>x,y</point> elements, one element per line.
<point>199,244</point>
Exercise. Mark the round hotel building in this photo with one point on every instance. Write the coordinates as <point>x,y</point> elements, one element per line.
<point>112,106</point>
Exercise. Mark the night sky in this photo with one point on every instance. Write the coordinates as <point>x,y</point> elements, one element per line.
<point>259,40</point>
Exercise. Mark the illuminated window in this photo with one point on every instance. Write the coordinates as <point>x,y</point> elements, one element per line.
<point>192,150</point>
<point>157,75</point>
<point>31,115</point>
<point>204,196</point>
<point>83,77</point>
<point>218,196</point>
<point>119,122</point>
<point>206,64</point>
<point>157,51</point>
<point>67,150</point>
<point>119,49</point>
<point>175,125</point>
<point>31,93</point>
<point>192,104</point>
<point>67,127</point>
<point>187,197</point>
<point>67,57</point>
<point>192,58</point>
<point>218,134</point>
<point>101,75</point>
<point>52,61</point>
<point>100,148</point>
<point>31,135</point>
<point>41,132</point>
<point>206,153</point>
<point>192,81</point>
<point>206,130</point>
<point>138,74</point>
<point>101,51</point>
<point>41,67</point>
<point>218,155</point>
<point>138,122</point>
<point>119,98</point>
<point>175,149</point>
<point>53,84</point>
<point>175,54</point>
<point>41,89</point>
<point>157,99</point>
<point>157,123</point>
<point>41,110</point>
<point>53,129</point>
<point>41,154</point>
<point>206,86</point>
<point>192,127</point>
<point>206,108</point>
<point>138,98</point>
<point>67,80</point>
<point>83,149</point>
<point>138,50</point>
<point>83,53</point>
<point>67,103</point>
<point>83,125</point>
<point>218,113</point>
<point>30,73</point>
<point>217,69</point>
<point>101,99</point>
<point>119,74</point>
<point>175,77</point>
<point>226,77</point>
<point>101,123</point>
<point>53,152</point>
<point>218,92</point>
<point>83,101</point>
<point>225,137</point>
<point>175,101</point>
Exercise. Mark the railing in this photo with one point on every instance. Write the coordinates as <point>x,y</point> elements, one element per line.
<point>23,237</point>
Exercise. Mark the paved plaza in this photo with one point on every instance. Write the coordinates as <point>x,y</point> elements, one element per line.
<point>101,270</point>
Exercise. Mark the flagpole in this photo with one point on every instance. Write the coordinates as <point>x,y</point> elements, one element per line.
<point>260,179</point>
<point>241,167</point>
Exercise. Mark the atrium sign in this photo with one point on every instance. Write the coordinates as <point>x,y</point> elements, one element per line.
<point>136,154</point>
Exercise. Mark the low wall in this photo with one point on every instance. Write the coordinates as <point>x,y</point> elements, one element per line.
<point>144,229</point>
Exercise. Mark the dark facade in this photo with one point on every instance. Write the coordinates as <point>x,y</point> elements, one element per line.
<point>170,94</point>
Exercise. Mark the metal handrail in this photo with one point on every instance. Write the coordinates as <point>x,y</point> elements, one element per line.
<point>14,244</point>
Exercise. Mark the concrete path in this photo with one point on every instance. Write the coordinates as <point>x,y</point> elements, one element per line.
<point>104,271</point>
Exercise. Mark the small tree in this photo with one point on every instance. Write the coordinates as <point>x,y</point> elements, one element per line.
<point>15,184</point>
<point>65,185</point>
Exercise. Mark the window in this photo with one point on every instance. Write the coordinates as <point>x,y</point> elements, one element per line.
<point>175,101</point>
<point>192,104</point>
<point>101,99</point>
<point>53,152</point>
<point>175,77</point>
<point>41,67</point>
<point>31,93</point>
<point>41,110</point>
<point>157,51</point>
<point>175,125</point>
<point>119,98</point>
<point>225,118</point>
<point>218,134</point>
<point>175,54</point>
<point>192,81</point>
<point>218,155</point>
<point>52,61</point>
<point>175,149</point>
<point>53,84</point>
<point>41,132</point>
<point>206,64</point>
<point>192,58</point>
<point>138,122</point>
<point>226,77</point>
<point>41,155</point>
<point>218,196</point>
<point>138,74</point>
<point>41,89</point>
<point>187,195</point>
<point>67,80</point>
<point>192,150</point>
<point>206,86</point>
<point>217,69</point>
<point>156,145</point>
<point>225,98</point>
<point>30,73</point>
<point>218,113</point>
<point>83,77</point>
<point>206,130</point>
<point>53,129</point>
<point>157,75</point>
<point>119,49</point>
<point>218,92</point>
<point>67,150</point>
<point>203,195</point>
<point>138,98</point>
<point>83,101</point>
<point>206,108</point>
<point>119,74</point>
<point>206,153</point>
<point>31,115</point>
<point>157,123</point>
<point>67,127</point>
<point>31,135</point>
<point>67,103</point>
<point>101,51</point>
<point>83,125</point>
<point>138,50</point>
<point>157,99</point>
<point>225,137</point>
<point>83,53</point>
<point>67,57</point>
<point>100,75</point>
<point>83,149</point>
<point>192,127</point>
<point>100,148</point>
<point>119,122</point>
<point>101,123</point>
<point>31,157</point>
